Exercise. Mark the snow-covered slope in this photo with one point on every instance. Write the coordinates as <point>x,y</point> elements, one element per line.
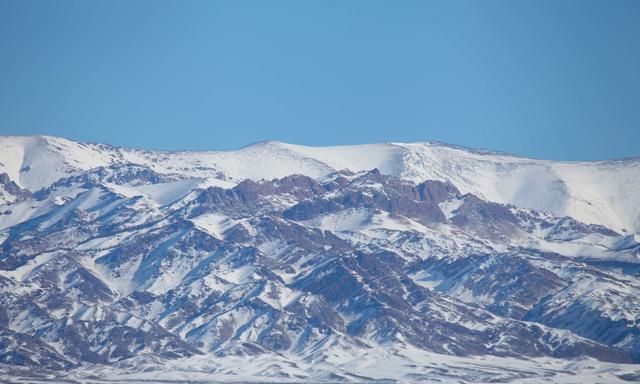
<point>600,192</point>
<point>35,162</point>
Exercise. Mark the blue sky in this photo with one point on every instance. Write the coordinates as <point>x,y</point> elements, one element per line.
<point>545,78</point>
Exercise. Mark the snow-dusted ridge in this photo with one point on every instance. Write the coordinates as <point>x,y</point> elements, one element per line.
<point>597,192</point>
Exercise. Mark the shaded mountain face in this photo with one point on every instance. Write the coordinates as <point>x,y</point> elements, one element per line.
<point>125,263</point>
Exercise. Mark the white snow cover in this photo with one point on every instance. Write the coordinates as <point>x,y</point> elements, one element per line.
<point>598,192</point>
<point>388,365</point>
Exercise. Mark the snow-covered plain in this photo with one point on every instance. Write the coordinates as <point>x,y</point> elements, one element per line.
<point>379,365</point>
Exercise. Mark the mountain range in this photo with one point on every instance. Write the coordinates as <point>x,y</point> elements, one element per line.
<point>277,262</point>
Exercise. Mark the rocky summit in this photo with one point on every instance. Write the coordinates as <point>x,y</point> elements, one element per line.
<point>384,262</point>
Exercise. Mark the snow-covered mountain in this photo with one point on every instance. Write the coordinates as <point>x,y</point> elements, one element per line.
<point>280,262</point>
<point>598,192</point>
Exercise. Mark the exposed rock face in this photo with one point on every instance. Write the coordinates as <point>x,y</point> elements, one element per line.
<point>375,191</point>
<point>10,191</point>
<point>302,266</point>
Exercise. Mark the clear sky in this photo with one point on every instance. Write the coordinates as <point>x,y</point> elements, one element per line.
<point>554,79</point>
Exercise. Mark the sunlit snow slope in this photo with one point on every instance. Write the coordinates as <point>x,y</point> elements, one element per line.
<point>599,192</point>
